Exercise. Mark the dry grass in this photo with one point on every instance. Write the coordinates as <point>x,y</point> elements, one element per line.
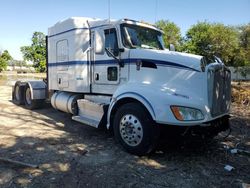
<point>241,93</point>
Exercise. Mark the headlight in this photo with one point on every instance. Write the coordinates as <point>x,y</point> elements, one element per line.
<point>187,114</point>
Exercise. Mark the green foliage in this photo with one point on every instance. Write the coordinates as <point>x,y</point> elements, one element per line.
<point>5,57</point>
<point>36,52</point>
<point>3,64</point>
<point>172,33</point>
<point>197,39</point>
<point>231,44</point>
<point>225,43</point>
<point>209,39</point>
<point>244,36</point>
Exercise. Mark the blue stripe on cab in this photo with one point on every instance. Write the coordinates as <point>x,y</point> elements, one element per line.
<point>126,61</point>
<point>67,63</point>
<point>166,63</point>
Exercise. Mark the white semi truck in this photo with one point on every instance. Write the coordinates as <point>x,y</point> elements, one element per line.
<point>117,73</point>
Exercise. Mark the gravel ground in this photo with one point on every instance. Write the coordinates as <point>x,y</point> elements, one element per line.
<point>69,154</point>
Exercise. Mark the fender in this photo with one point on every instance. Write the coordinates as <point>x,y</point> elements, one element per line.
<point>126,92</point>
<point>37,89</point>
<point>132,95</point>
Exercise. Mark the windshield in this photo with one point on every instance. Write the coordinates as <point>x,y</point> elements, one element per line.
<point>134,36</point>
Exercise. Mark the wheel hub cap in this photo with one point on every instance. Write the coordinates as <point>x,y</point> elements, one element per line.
<point>131,130</point>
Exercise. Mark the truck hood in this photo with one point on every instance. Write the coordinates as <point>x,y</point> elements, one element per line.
<point>168,58</point>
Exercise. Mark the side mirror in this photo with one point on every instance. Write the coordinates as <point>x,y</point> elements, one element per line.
<point>171,47</point>
<point>99,41</point>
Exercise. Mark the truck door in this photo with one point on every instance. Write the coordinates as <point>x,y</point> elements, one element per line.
<point>105,68</point>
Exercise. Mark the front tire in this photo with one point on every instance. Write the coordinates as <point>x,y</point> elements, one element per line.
<point>135,129</point>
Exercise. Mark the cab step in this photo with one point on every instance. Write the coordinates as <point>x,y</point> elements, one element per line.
<point>86,120</point>
<point>91,113</point>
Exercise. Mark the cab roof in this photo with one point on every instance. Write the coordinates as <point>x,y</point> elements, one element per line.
<point>87,23</point>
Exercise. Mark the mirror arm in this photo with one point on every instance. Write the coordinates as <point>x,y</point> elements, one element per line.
<point>121,63</point>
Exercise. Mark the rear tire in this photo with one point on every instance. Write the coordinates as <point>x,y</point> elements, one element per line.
<point>17,95</point>
<point>29,102</point>
<point>135,129</point>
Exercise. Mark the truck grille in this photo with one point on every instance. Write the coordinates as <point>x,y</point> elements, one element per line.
<point>219,89</point>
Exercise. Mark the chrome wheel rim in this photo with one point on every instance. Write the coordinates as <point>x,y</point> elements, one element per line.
<point>131,130</point>
<point>28,96</point>
<point>17,93</point>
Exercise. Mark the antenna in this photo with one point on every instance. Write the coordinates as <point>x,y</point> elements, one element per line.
<point>156,7</point>
<point>109,10</point>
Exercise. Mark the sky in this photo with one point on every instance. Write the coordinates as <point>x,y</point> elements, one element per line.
<point>20,18</point>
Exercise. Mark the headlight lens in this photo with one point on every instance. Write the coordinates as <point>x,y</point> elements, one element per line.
<point>187,114</point>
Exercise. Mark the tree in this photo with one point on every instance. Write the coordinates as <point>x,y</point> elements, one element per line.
<point>225,43</point>
<point>197,39</point>
<point>3,64</point>
<point>5,57</point>
<point>213,39</point>
<point>36,52</point>
<point>244,35</point>
<point>172,34</point>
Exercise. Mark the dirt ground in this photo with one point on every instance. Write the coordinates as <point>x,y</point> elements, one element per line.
<point>69,154</point>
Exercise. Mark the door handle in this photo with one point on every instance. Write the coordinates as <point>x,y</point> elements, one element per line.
<point>96,76</point>
<point>59,81</point>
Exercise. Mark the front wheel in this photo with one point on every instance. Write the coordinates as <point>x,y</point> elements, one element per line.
<point>135,129</point>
